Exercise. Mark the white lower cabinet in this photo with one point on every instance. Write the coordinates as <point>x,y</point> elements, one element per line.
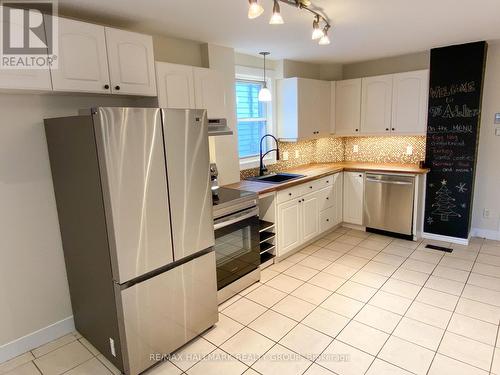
<point>310,216</point>
<point>353,197</point>
<point>305,211</point>
<point>289,227</point>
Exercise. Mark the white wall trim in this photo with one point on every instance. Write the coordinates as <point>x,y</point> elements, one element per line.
<point>35,339</point>
<point>438,237</point>
<point>486,233</point>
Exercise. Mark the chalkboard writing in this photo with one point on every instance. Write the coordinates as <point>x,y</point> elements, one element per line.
<point>455,94</point>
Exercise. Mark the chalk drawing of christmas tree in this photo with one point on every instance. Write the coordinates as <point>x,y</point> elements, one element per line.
<point>444,203</point>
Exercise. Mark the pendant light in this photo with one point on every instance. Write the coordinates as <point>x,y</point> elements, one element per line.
<point>254,9</point>
<point>276,18</point>
<point>317,32</point>
<point>265,93</point>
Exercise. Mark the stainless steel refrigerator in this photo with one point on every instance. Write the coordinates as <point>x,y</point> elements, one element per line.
<point>132,187</point>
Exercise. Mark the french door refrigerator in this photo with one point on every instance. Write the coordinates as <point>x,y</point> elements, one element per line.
<point>132,187</point>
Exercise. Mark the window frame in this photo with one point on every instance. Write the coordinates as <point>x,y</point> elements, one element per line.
<point>256,75</point>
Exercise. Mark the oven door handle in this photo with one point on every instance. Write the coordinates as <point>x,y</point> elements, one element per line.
<point>221,223</point>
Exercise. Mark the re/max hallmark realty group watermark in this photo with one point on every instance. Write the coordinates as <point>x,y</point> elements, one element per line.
<point>28,34</point>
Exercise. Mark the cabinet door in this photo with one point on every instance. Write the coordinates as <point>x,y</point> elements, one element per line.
<point>23,79</point>
<point>353,197</point>
<point>409,102</point>
<point>310,216</point>
<point>313,106</point>
<point>175,85</point>
<point>332,107</point>
<point>210,92</point>
<point>347,107</point>
<point>83,61</point>
<point>131,62</point>
<point>289,226</point>
<point>376,103</point>
<point>338,189</point>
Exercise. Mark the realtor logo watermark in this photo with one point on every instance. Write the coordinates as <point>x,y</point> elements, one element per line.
<point>28,34</point>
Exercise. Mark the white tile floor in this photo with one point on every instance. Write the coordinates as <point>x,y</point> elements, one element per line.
<point>351,303</point>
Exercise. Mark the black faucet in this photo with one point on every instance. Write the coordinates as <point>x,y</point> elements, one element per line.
<point>262,168</point>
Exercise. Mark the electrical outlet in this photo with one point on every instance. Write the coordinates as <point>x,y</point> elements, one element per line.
<point>409,150</point>
<point>355,149</point>
<point>487,213</point>
<point>297,154</point>
<point>285,155</point>
<point>497,132</point>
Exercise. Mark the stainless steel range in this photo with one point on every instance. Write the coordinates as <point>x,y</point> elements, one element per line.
<point>237,251</point>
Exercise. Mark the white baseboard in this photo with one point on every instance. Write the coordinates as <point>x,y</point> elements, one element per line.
<point>438,237</point>
<point>35,339</point>
<point>486,233</point>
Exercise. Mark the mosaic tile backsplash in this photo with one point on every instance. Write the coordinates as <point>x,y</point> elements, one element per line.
<point>333,149</point>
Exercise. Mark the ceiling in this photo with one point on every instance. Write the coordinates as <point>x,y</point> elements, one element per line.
<point>362,29</point>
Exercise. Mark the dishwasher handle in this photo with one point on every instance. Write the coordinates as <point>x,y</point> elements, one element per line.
<point>389,182</point>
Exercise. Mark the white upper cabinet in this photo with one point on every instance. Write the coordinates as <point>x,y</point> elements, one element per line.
<point>23,79</point>
<point>131,63</point>
<point>332,107</point>
<point>175,85</point>
<point>347,106</point>
<point>303,108</point>
<point>409,102</point>
<point>376,104</point>
<point>83,62</point>
<point>210,92</point>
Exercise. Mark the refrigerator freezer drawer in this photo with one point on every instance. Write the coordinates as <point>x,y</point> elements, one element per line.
<point>163,313</point>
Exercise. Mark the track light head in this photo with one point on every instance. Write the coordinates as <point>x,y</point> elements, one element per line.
<point>317,32</point>
<point>276,18</point>
<point>254,9</point>
<point>325,40</point>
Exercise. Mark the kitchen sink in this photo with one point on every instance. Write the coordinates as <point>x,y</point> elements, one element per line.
<point>276,178</point>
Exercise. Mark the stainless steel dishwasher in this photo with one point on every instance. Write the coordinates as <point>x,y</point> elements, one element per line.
<point>389,203</point>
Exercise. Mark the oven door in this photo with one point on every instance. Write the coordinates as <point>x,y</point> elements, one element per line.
<point>236,246</point>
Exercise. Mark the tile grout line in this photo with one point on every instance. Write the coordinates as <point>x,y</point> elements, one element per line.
<point>451,317</point>
<point>494,348</point>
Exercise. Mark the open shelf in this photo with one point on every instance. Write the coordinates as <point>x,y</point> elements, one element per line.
<point>264,236</point>
<point>266,257</point>
<point>265,247</point>
<point>265,225</point>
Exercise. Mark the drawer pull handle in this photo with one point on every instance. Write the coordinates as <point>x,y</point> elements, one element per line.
<point>327,219</point>
<point>290,194</point>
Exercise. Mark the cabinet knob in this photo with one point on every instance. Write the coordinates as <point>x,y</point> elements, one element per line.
<point>310,187</point>
<point>360,175</point>
<point>357,129</point>
<point>106,87</point>
<point>117,87</point>
<point>393,129</point>
<point>327,219</point>
<point>387,129</point>
<point>290,194</point>
<point>327,198</point>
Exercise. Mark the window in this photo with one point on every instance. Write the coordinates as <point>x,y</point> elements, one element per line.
<point>251,116</point>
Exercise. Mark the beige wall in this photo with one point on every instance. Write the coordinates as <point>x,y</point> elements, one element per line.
<point>177,51</point>
<point>487,185</point>
<point>33,284</point>
<point>396,64</point>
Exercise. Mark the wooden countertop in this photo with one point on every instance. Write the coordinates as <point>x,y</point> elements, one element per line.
<point>315,171</point>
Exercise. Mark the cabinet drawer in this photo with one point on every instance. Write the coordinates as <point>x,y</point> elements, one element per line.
<point>291,193</point>
<point>326,181</point>
<point>327,219</point>
<point>326,198</point>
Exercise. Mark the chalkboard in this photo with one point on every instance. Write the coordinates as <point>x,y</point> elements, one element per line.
<point>455,93</point>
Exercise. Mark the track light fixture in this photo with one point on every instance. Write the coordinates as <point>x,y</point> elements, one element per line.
<point>276,18</point>
<point>255,10</point>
